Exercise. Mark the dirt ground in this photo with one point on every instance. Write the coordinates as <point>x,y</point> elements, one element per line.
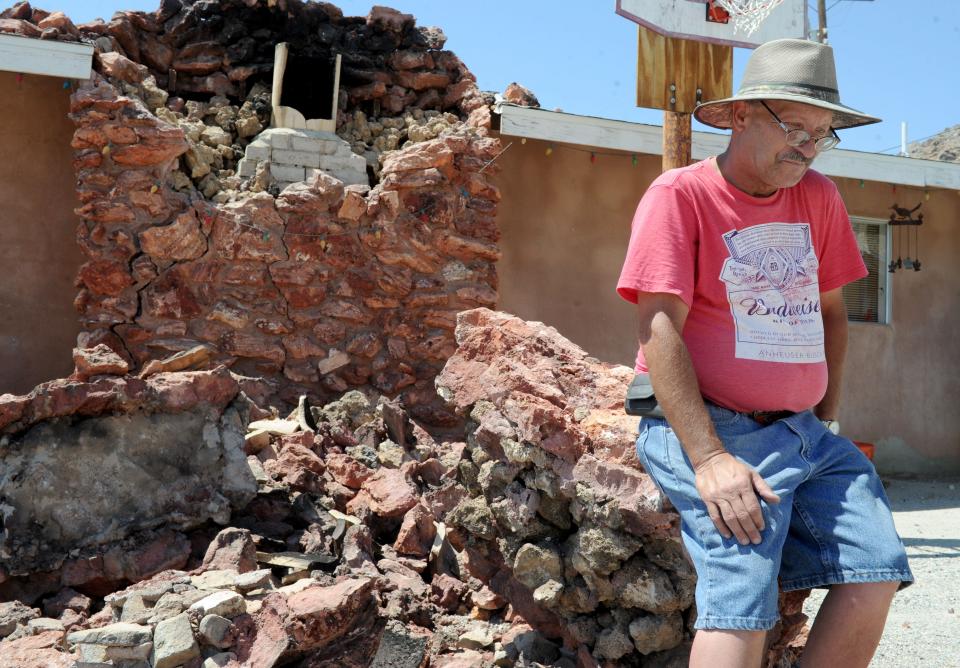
<point>923,629</point>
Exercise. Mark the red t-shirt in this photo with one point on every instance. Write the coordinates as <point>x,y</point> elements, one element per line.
<point>751,270</point>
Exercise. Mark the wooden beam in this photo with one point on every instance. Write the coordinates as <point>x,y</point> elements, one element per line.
<point>676,140</point>
<point>605,133</point>
<point>46,57</point>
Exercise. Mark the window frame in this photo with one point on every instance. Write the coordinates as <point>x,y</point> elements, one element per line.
<point>884,292</point>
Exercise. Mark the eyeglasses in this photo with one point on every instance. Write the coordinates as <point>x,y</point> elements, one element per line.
<point>797,138</point>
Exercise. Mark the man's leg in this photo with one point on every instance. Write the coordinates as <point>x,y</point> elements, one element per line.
<point>849,624</point>
<point>727,649</point>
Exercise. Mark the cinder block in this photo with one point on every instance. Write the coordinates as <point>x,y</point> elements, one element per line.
<point>305,144</point>
<point>300,158</point>
<point>286,172</point>
<point>257,152</point>
<point>331,146</point>
<point>279,137</point>
<point>246,168</point>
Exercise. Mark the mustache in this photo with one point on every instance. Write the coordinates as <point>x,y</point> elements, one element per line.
<point>796,156</point>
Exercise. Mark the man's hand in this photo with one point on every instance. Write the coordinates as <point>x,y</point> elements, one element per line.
<point>730,488</point>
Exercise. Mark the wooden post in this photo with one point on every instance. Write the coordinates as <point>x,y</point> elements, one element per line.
<point>676,75</point>
<point>676,139</point>
<point>822,20</point>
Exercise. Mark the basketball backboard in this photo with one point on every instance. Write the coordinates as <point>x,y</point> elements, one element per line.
<point>688,19</point>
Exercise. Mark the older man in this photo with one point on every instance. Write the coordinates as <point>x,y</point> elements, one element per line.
<point>736,265</point>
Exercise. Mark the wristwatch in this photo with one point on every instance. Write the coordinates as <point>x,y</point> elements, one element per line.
<point>833,426</point>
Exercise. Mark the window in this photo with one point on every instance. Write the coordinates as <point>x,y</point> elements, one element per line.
<point>866,299</point>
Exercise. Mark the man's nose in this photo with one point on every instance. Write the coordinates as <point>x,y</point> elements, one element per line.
<point>808,149</point>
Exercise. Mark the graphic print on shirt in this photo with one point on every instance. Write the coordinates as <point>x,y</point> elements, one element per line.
<point>774,293</point>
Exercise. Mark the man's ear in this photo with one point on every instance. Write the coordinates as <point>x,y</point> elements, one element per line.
<point>739,112</point>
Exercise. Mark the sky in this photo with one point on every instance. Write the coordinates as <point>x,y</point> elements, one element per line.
<point>896,59</point>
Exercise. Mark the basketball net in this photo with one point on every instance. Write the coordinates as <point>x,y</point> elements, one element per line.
<point>747,15</point>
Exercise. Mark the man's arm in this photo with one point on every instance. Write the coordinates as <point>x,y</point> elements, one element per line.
<point>834,313</point>
<point>728,487</point>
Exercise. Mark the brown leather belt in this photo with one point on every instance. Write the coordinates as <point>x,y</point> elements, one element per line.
<point>768,417</point>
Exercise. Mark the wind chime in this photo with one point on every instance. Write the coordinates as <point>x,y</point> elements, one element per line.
<point>909,226</point>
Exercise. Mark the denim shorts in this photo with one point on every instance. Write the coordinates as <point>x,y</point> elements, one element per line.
<point>833,523</point>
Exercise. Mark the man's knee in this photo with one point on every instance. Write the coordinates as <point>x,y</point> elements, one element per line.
<point>865,595</point>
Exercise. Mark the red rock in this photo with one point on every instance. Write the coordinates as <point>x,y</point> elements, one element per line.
<point>354,204</point>
<point>213,84</point>
<point>391,493</point>
<point>199,58</point>
<point>420,156</point>
<point>517,94</point>
<point>180,240</point>
<point>21,11</point>
<point>640,501</point>
<point>19,27</point>
<point>120,67</point>
<point>458,91</point>
<point>386,18</point>
<point>99,574</point>
<point>481,117</point>
<point>423,80</point>
<point>320,615</point>
<point>443,500</point>
<point>98,360</point>
<point>262,638</point>
<point>486,599</point>
<point>231,549</point>
<point>466,249</point>
<point>249,230</point>
<point>411,60</point>
<point>447,591</point>
<point>299,467</point>
<point>122,29</point>
<point>40,651</point>
<point>66,599</point>
<point>158,145</point>
<point>155,53</point>
<point>105,277</point>
<point>370,91</point>
<point>346,470</point>
<point>417,532</point>
<point>12,408</point>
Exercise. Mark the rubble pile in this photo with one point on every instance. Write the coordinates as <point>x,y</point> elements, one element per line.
<point>528,538</point>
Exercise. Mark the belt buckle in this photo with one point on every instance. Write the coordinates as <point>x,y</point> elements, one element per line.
<point>767,417</point>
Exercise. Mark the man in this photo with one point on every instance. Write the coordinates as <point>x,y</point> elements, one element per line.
<point>736,265</point>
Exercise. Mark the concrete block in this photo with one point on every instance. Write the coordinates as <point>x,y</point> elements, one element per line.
<point>299,158</point>
<point>247,167</point>
<point>261,152</point>
<point>310,144</point>
<point>281,138</point>
<point>287,172</point>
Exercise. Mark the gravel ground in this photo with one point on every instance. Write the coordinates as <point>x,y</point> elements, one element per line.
<point>923,628</point>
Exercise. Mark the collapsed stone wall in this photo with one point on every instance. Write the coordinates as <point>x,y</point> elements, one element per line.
<point>320,288</point>
<point>527,538</point>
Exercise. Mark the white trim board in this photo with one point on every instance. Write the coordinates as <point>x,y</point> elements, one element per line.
<point>604,133</point>
<point>25,55</point>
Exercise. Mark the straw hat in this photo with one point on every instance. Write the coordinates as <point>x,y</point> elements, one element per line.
<point>793,70</point>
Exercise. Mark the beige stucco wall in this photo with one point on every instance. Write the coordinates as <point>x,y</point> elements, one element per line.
<point>902,380</point>
<point>39,252</point>
<point>565,223</point>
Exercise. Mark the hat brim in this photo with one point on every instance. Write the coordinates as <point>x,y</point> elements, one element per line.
<point>718,113</point>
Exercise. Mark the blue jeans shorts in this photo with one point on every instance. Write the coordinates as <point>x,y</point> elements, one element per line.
<point>833,523</point>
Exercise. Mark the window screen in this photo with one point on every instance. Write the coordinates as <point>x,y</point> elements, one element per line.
<point>866,299</point>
